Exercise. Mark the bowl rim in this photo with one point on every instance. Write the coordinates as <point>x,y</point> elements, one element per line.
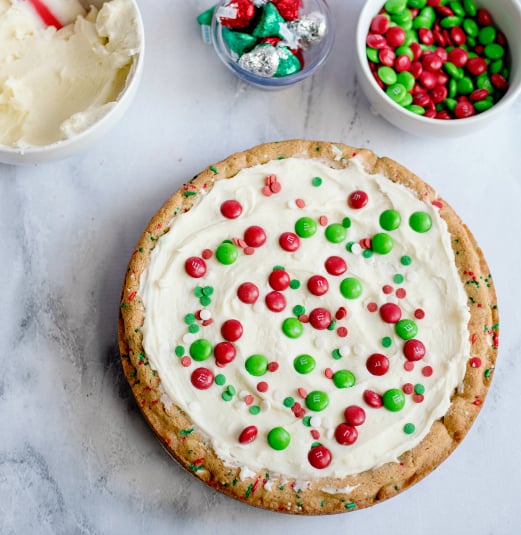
<point>67,145</point>
<point>265,81</point>
<point>367,12</point>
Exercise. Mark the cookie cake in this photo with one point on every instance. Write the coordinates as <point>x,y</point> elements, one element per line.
<point>308,328</point>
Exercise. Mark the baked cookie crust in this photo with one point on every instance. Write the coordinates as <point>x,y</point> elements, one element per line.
<point>193,451</point>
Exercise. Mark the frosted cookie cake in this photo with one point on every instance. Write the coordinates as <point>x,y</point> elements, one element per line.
<point>308,328</point>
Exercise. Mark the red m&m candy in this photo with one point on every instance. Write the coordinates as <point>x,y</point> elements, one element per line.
<point>319,457</point>
<point>320,318</point>
<point>335,265</point>
<point>195,267</point>
<point>248,434</point>
<point>354,415</point>
<point>255,236</point>
<point>377,364</point>
<point>279,279</point>
<point>201,378</point>
<point>275,301</point>
<point>248,292</point>
<point>346,434</point>
<point>358,199</point>
<point>231,209</point>
<point>414,350</point>
<point>231,330</point>
<point>224,353</point>
<point>289,241</point>
<point>390,313</point>
<point>318,285</point>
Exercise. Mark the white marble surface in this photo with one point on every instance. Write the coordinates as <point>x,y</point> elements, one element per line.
<point>75,454</point>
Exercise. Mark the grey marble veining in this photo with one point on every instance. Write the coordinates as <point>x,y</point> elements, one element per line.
<point>76,457</point>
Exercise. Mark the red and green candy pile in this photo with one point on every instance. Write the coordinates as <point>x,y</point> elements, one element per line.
<point>441,59</point>
<point>267,37</point>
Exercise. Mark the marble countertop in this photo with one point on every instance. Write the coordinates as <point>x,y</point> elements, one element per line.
<point>76,457</point>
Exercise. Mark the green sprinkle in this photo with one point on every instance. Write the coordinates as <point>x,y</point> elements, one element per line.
<point>346,223</point>
<point>350,505</point>
<point>220,379</point>
<point>208,290</point>
<point>409,428</point>
<point>336,354</point>
<point>205,300</point>
<point>198,291</point>
<point>307,421</point>
<point>186,432</point>
<point>406,260</point>
<point>189,319</point>
<point>213,169</point>
<point>254,409</point>
<point>294,284</point>
<point>367,253</point>
<point>419,389</point>
<point>398,278</point>
<point>179,351</point>
<point>226,396</point>
<point>298,310</point>
<point>189,193</point>
<point>349,246</point>
<point>387,341</point>
<point>288,402</point>
<point>317,181</point>
<point>194,328</point>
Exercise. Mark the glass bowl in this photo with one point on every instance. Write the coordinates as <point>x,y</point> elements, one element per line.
<point>312,55</point>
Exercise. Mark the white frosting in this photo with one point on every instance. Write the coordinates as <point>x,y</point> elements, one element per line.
<point>168,295</point>
<point>55,84</point>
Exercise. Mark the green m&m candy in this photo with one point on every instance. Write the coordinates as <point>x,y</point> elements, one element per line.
<point>279,438</point>
<point>406,329</point>
<point>200,349</point>
<point>292,327</point>
<point>304,364</point>
<point>394,399</point>
<point>227,253</point>
<point>335,233</point>
<point>387,75</point>
<point>256,365</point>
<point>317,400</point>
<point>351,288</point>
<point>390,219</point>
<point>420,222</point>
<point>305,227</point>
<point>395,6</point>
<point>396,92</point>
<point>344,379</point>
<point>382,243</point>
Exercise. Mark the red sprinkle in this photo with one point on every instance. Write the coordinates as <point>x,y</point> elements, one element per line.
<point>273,366</point>
<point>342,332</point>
<point>373,399</point>
<point>262,386</point>
<point>372,307</point>
<point>207,253</point>
<point>427,371</point>
<point>300,203</point>
<point>302,392</point>
<point>475,362</point>
<point>341,313</point>
<point>186,361</point>
<point>419,313</point>
<point>328,372</point>
<point>408,388</point>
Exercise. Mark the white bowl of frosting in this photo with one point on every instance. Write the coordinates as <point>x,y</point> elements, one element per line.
<point>68,73</point>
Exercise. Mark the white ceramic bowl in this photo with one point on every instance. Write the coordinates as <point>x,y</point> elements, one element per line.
<point>314,56</point>
<point>80,142</point>
<point>507,17</point>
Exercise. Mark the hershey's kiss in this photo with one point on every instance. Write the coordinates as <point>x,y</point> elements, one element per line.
<point>263,60</point>
<point>310,28</point>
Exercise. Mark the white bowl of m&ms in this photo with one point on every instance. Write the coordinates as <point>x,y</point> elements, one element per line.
<point>439,67</point>
<point>271,44</point>
<point>68,75</point>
